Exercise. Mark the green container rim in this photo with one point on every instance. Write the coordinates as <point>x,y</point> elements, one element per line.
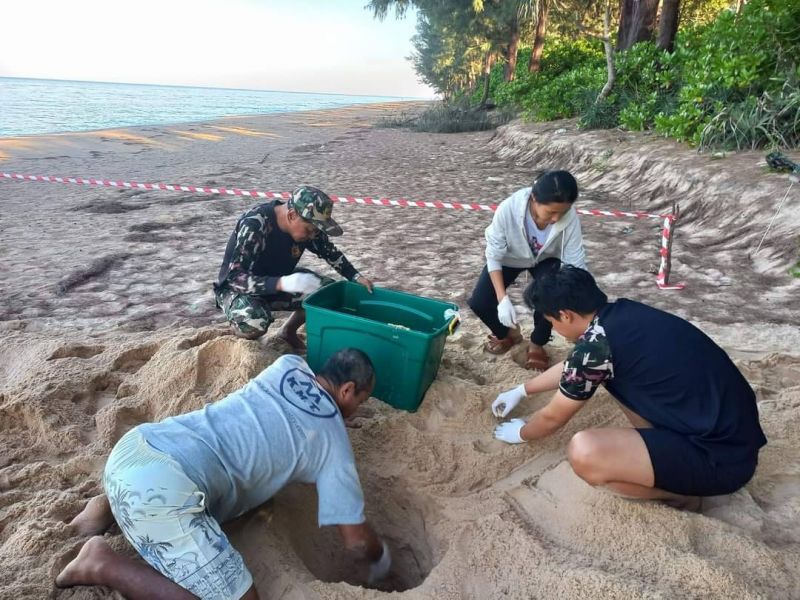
<point>434,333</point>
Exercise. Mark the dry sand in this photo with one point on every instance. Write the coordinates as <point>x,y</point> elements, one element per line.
<point>106,321</point>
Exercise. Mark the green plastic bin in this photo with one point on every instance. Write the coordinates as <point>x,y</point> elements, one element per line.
<point>402,333</point>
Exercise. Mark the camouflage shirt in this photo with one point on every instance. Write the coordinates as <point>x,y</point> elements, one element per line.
<point>259,253</point>
<point>588,365</point>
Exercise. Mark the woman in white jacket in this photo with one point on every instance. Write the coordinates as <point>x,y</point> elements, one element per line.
<point>531,225</point>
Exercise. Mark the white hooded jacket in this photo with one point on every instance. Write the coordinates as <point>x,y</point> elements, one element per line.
<point>507,241</point>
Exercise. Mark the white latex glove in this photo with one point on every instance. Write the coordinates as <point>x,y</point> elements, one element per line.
<point>507,401</point>
<point>510,431</point>
<point>379,569</point>
<point>300,283</point>
<point>506,312</point>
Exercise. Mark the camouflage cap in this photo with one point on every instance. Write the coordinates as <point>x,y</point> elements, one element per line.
<point>316,207</point>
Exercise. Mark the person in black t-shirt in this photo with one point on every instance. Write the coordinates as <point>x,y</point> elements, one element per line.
<point>259,273</point>
<point>695,421</point>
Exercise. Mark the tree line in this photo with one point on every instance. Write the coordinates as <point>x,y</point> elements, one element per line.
<point>459,41</point>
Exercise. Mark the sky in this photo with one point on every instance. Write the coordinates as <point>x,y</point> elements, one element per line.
<point>331,46</point>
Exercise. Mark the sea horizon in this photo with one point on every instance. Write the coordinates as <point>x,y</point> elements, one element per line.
<point>36,106</point>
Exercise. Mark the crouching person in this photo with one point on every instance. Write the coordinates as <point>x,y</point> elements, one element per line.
<point>170,485</point>
<point>259,274</point>
<point>695,422</point>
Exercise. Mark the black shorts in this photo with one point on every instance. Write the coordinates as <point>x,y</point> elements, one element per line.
<point>685,468</point>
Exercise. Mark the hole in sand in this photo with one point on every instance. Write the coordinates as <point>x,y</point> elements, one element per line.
<point>76,351</point>
<point>397,516</point>
<point>130,361</point>
<point>199,339</point>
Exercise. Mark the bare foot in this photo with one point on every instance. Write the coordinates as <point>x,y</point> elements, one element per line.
<point>82,569</point>
<point>94,519</point>
<point>294,340</point>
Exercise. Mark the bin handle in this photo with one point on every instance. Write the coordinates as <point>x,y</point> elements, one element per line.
<point>455,320</point>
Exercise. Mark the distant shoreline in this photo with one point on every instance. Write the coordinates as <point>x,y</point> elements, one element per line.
<point>199,122</point>
<point>208,87</point>
<point>49,106</point>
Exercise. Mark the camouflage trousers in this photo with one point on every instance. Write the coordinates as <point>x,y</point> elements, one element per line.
<point>250,315</point>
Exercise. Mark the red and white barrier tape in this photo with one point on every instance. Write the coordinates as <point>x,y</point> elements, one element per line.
<point>663,268</point>
<point>661,280</point>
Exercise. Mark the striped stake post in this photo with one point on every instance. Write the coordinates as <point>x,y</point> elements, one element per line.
<point>667,232</point>
<point>666,244</point>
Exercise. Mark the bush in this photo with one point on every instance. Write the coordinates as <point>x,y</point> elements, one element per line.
<point>565,96</point>
<point>450,118</point>
<point>396,121</point>
<point>559,56</point>
<point>731,83</point>
<point>771,120</point>
<point>730,71</point>
<point>600,115</point>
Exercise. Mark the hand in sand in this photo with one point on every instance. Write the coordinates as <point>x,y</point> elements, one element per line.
<point>510,432</point>
<point>379,569</point>
<point>507,401</point>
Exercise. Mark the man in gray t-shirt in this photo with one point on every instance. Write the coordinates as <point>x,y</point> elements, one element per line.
<point>169,485</point>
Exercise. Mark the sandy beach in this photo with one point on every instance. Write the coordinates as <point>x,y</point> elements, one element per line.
<point>107,321</point>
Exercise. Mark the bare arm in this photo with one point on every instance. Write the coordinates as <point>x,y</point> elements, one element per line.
<point>362,541</point>
<point>545,382</point>
<point>550,417</point>
<point>497,284</point>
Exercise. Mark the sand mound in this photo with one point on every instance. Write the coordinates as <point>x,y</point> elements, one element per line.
<point>466,516</point>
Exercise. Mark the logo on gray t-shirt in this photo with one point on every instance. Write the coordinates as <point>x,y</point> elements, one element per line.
<point>299,388</point>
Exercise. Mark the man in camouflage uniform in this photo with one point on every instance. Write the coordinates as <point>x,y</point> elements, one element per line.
<point>259,273</point>
<point>695,429</point>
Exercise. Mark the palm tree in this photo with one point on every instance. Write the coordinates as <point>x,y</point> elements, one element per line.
<point>153,552</point>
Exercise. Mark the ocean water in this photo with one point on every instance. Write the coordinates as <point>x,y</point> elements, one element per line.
<point>35,106</point>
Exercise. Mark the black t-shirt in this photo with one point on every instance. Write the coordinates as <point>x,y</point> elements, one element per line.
<point>258,253</point>
<point>669,372</point>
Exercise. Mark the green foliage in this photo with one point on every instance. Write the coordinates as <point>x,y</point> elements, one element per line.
<point>566,95</point>
<point>572,62</point>
<point>702,12</point>
<point>771,120</point>
<point>732,81</point>
<point>600,115</point>
<point>731,74</point>
<point>449,117</point>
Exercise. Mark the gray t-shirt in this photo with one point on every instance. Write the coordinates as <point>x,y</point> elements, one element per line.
<point>279,428</point>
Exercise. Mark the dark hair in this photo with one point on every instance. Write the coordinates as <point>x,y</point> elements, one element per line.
<point>566,288</point>
<point>551,187</point>
<point>349,364</point>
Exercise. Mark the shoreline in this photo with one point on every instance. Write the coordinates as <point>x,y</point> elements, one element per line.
<point>203,87</point>
<point>200,122</point>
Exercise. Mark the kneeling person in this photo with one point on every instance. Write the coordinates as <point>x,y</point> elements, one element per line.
<point>695,421</point>
<point>259,273</point>
<point>170,485</point>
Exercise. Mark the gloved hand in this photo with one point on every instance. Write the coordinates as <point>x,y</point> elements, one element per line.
<point>379,569</point>
<point>510,431</point>
<point>300,283</point>
<point>507,401</point>
<point>506,312</point>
